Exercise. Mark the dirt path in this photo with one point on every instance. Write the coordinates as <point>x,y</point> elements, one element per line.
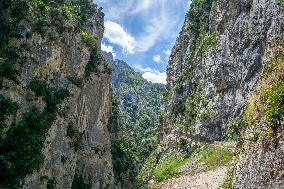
<point>209,180</point>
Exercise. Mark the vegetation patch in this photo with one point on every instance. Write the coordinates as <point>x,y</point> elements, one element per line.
<point>147,170</point>
<point>21,146</point>
<point>198,16</point>
<point>275,110</point>
<point>8,107</point>
<point>210,40</point>
<point>168,168</point>
<point>207,158</point>
<point>114,120</point>
<point>195,104</point>
<point>179,108</point>
<point>238,127</point>
<point>10,60</point>
<point>51,183</point>
<point>52,96</point>
<point>93,63</point>
<point>79,182</point>
<point>228,182</point>
<point>214,157</point>
<point>123,158</point>
<point>267,102</point>
<point>75,136</point>
<point>254,136</point>
<point>91,41</point>
<point>79,82</point>
<point>182,143</point>
<point>166,97</point>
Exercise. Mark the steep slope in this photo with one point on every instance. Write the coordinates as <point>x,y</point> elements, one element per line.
<point>54,96</point>
<point>139,103</point>
<point>213,69</point>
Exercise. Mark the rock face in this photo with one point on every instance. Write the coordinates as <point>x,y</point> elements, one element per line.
<point>62,97</point>
<point>214,67</point>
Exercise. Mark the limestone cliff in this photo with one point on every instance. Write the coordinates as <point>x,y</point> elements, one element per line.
<point>54,96</point>
<point>215,66</point>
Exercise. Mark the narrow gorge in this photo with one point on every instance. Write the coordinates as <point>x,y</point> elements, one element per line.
<point>72,116</point>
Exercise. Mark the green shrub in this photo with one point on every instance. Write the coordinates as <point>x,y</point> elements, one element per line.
<point>51,95</point>
<point>168,168</point>
<point>122,160</point>
<point>275,110</point>
<point>75,136</point>
<point>228,182</point>
<point>64,159</point>
<point>79,182</point>
<point>254,136</point>
<point>21,148</point>
<point>198,17</point>
<point>210,40</point>
<point>8,107</point>
<point>107,70</point>
<point>10,62</point>
<point>91,41</point>
<point>179,108</point>
<point>93,63</point>
<point>194,104</point>
<point>114,120</point>
<point>281,2</point>
<point>79,82</point>
<point>238,127</point>
<point>166,97</point>
<point>51,184</point>
<point>182,143</point>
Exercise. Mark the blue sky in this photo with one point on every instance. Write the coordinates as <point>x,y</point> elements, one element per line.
<point>142,32</point>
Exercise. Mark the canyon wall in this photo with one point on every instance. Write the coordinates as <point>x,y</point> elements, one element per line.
<point>219,61</point>
<point>55,96</point>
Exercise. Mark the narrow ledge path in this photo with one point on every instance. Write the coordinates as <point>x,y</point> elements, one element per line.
<point>206,180</point>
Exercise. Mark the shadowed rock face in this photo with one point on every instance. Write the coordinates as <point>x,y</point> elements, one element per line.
<point>214,67</point>
<point>77,144</point>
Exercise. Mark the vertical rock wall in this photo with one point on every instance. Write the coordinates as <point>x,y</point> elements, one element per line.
<point>215,67</point>
<point>76,147</point>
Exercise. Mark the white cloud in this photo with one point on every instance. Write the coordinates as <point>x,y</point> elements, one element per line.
<point>108,48</point>
<point>159,77</point>
<point>116,34</point>
<point>157,58</point>
<point>161,24</point>
<point>142,5</point>
<point>116,9</point>
<point>159,21</point>
<point>151,21</point>
<point>152,75</point>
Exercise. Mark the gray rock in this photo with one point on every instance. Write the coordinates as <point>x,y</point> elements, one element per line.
<point>212,82</point>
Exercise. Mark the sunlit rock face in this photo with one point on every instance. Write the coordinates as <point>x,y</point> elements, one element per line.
<point>74,149</point>
<point>214,67</point>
